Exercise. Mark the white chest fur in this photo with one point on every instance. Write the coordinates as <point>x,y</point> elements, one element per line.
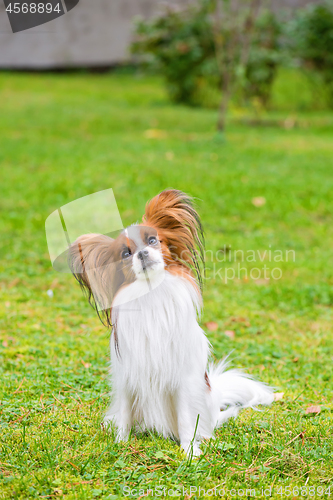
<point>158,376</point>
<point>159,338</point>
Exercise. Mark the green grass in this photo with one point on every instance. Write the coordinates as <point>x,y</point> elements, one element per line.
<point>65,136</point>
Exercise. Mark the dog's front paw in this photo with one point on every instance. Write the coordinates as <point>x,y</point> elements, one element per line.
<point>107,424</point>
<point>192,449</point>
<point>196,450</point>
<point>122,435</point>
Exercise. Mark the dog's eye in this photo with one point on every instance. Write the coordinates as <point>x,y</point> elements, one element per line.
<point>126,253</point>
<point>152,240</point>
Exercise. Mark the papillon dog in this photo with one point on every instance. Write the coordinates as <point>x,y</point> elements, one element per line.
<point>146,285</point>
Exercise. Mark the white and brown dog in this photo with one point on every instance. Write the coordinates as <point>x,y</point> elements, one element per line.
<point>147,281</point>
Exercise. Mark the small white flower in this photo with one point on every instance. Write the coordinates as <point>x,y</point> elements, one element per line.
<point>50,293</point>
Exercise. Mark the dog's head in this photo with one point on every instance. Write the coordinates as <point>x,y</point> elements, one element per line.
<point>170,238</point>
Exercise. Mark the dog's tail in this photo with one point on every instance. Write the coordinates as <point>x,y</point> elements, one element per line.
<point>232,390</point>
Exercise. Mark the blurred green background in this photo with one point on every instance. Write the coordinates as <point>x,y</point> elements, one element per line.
<point>263,185</point>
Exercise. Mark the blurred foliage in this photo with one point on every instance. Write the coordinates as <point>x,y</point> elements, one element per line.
<point>311,41</point>
<point>264,58</point>
<point>180,45</point>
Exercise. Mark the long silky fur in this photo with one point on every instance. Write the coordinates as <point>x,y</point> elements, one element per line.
<point>173,214</point>
<point>92,252</point>
<point>159,353</point>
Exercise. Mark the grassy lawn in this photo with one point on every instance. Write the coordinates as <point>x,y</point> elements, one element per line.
<point>65,136</point>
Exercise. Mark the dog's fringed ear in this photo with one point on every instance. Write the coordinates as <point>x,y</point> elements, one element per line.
<point>91,261</point>
<point>173,213</point>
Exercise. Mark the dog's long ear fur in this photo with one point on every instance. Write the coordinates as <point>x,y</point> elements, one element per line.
<point>173,214</point>
<point>90,260</point>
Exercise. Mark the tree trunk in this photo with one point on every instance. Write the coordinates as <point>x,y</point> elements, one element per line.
<point>223,108</point>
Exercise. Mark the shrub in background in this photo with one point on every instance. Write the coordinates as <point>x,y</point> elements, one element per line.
<point>311,41</point>
<point>264,58</point>
<point>181,45</point>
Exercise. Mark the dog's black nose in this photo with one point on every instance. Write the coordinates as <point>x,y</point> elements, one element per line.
<point>143,254</point>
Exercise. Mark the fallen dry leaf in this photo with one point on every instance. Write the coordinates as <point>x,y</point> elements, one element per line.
<point>261,281</point>
<point>86,365</point>
<point>278,396</point>
<point>230,334</point>
<point>154,133</point>
<point>313,409</point>
<point>14,283</point>
<point>169,155</point>
<point>300,435</point>
<point>315,326</point>
<point>212,326</point>
<point>55,284</point>
<point>289,122</point>
<point>240,320</point>
<point>258,201</point>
